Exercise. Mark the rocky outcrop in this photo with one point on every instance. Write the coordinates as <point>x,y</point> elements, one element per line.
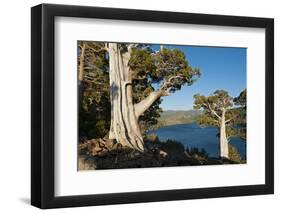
<point>108,154</point>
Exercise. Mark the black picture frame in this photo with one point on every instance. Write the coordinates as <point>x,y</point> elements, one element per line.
<point>43,102</point>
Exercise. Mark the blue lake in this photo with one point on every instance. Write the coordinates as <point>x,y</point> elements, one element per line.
<point>192,135</point>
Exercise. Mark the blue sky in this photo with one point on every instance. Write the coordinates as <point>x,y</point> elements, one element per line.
<point>221,68</point>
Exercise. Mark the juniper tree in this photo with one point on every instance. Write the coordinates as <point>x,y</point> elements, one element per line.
<point>134,70</point>
<point>218,113</point>
<point>93,85</point>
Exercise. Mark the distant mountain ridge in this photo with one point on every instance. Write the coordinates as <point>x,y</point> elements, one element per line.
<point>173,117</point>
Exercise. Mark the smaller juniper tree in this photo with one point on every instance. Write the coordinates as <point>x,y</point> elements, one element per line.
<point>218,112</point>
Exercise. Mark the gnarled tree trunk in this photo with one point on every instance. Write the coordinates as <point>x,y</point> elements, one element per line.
<point>223,138</point>
<point>124,123</point>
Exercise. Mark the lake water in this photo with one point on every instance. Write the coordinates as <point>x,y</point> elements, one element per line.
<point>192,135</point>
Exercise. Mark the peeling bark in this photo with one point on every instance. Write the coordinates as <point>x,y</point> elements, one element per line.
<point>124,124</point>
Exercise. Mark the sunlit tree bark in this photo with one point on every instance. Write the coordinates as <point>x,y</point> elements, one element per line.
<point>129,63</point>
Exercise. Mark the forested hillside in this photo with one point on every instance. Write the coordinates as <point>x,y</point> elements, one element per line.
<point>172,117</point>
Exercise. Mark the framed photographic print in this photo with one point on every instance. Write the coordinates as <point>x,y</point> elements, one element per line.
<point>139,106</point>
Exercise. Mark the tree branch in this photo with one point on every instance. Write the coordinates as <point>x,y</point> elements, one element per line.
<point>164,90</point>
<point>168,82</point>
<point>213,111</point>
<point>81,63</point>
<point>228,120</point>
<point>130,47</point>
<point>106,46</point>
<point>142,106</point>
<point>99,50</point>
<point>140,78</point>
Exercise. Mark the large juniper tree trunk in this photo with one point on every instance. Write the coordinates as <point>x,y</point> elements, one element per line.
<point>223,138</point>
<point>124,123</point>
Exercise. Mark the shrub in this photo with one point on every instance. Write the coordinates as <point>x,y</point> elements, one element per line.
<point>174,149</point>
<point>151,138</point>
<point>234,155</point>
